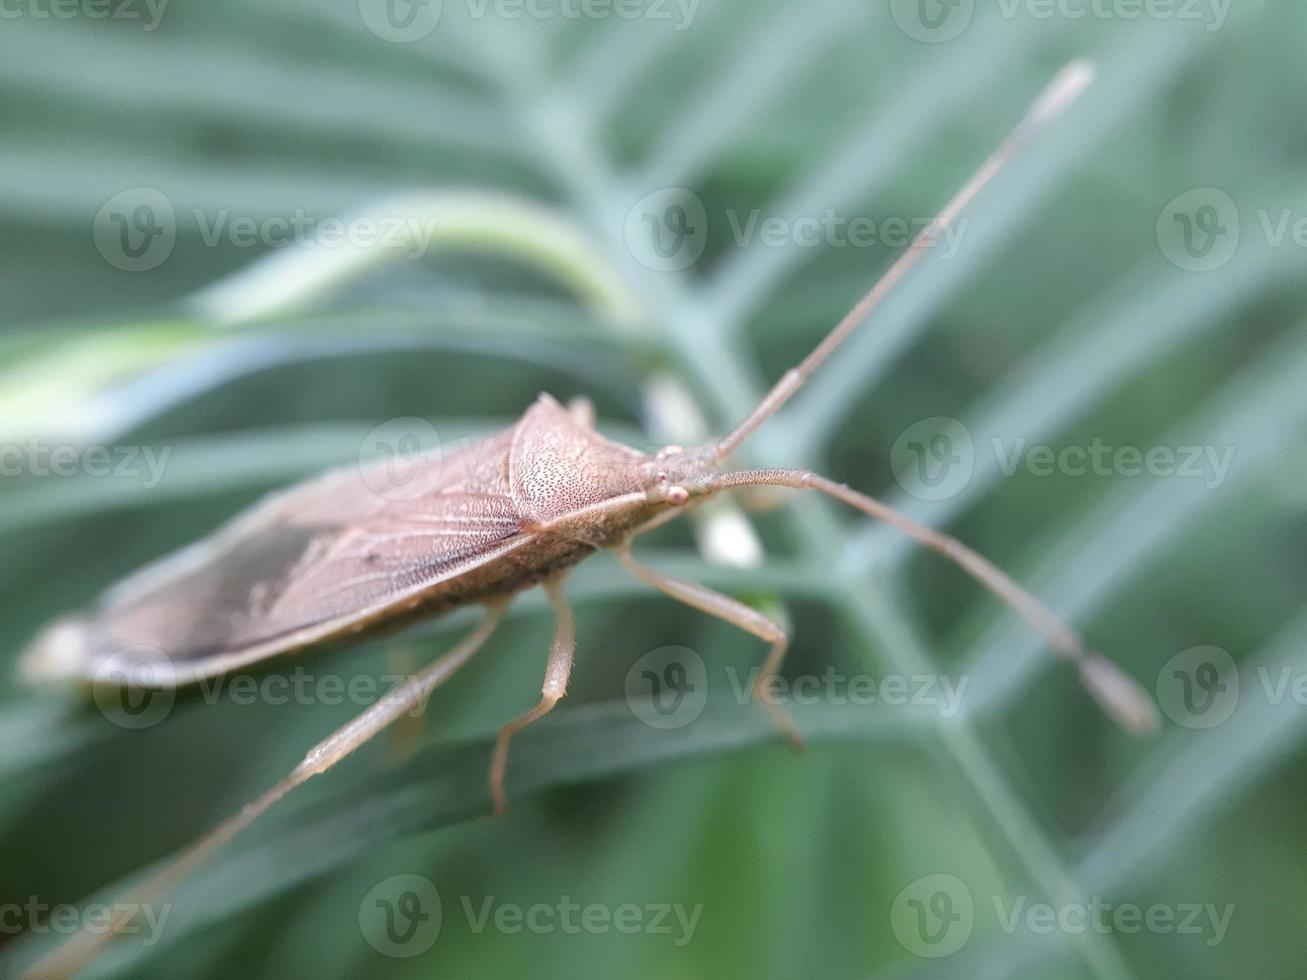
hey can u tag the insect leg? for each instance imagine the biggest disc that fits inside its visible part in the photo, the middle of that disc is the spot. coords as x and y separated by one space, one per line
84 947
407 731
737 614
557 672
582 409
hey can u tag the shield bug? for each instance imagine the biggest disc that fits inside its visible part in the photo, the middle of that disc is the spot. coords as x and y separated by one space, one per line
334 558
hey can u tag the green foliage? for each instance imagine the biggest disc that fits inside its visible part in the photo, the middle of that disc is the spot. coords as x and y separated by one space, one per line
1059 321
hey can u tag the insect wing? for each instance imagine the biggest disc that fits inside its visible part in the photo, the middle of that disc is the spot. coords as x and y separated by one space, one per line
300 566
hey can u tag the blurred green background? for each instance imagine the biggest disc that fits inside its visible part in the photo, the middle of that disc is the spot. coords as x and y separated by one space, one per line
1133 280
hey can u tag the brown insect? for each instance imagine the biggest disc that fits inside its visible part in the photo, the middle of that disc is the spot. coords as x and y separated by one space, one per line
332 559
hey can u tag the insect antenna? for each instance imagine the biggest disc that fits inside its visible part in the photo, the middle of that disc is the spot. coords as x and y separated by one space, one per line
1118 694
1060 93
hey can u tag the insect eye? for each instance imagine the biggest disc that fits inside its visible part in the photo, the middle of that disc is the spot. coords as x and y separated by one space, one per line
678 496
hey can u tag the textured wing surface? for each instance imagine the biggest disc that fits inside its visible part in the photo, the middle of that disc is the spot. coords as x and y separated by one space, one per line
302 564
